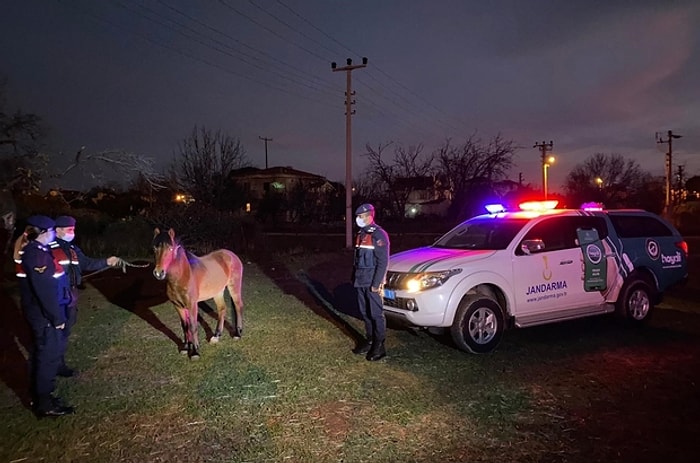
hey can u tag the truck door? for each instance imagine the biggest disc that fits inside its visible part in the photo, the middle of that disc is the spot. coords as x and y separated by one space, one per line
552 279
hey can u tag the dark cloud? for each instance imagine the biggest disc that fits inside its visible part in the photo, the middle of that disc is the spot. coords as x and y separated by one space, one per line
594 76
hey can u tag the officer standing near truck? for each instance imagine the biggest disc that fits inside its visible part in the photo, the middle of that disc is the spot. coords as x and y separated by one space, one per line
369 273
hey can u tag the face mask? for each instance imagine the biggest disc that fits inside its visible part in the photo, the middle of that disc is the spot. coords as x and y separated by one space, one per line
360 223
68 237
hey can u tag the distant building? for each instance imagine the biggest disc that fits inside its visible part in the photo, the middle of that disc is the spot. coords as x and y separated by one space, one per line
284 192
425 196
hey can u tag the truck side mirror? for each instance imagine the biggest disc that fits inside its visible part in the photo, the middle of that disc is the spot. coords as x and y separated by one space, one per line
532 246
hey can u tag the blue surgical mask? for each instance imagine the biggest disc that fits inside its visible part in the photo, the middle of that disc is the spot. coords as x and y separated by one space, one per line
360 223
68 237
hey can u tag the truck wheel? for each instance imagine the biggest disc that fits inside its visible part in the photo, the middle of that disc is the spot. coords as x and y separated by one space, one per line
478 325
635 302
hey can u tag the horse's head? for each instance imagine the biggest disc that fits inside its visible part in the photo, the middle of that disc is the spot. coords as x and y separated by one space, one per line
164 248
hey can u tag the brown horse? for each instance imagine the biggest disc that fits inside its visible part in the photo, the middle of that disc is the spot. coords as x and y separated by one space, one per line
191 279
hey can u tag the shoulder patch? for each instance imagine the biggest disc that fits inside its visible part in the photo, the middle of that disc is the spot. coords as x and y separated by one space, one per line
381 242
40 269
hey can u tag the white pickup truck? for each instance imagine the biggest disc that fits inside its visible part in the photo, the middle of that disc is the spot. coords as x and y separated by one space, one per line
535 266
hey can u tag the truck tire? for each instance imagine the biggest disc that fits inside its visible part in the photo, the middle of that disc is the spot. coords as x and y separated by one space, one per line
478 325
635 303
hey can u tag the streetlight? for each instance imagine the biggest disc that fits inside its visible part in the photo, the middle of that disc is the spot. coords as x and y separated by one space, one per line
546 162
544 147
599 182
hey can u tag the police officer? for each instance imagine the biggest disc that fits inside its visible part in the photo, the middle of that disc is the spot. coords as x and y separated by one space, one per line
74 262
369 272
42 289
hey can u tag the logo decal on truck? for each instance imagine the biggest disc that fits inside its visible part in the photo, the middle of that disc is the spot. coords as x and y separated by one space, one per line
653 249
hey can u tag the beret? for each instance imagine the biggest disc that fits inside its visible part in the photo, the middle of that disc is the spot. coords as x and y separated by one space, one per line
65 221
364 208
41 222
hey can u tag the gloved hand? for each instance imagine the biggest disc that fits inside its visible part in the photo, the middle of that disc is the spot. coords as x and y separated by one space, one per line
115 261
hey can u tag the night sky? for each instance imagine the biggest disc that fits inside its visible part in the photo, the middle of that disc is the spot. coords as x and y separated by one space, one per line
593 76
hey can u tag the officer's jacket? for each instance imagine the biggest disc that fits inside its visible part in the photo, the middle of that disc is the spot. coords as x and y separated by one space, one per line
40 287
74 261
371 257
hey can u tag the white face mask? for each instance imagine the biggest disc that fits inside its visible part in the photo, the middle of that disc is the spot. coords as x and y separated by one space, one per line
360 223
68 237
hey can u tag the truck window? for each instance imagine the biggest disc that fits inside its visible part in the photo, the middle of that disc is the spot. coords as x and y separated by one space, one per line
639 226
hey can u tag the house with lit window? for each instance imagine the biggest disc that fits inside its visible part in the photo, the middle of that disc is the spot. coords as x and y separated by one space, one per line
425 196
287 193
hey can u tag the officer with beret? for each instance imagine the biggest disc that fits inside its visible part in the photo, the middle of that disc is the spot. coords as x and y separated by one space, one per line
75 263
43 290
369 273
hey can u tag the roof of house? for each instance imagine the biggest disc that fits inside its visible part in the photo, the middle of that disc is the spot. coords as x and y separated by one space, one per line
254 172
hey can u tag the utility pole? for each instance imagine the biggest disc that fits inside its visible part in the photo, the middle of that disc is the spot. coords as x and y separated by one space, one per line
266 140
544 148
348 143
669 161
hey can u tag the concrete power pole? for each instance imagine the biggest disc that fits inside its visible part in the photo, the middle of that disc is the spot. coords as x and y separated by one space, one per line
265 140
669 168
348 144
544 148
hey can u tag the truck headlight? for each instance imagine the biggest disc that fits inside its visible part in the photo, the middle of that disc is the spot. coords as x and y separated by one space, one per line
429 280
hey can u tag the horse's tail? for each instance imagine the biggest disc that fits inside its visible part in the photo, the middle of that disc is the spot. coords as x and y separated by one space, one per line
235 282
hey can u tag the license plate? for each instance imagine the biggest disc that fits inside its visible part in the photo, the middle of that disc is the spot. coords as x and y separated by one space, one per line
389 294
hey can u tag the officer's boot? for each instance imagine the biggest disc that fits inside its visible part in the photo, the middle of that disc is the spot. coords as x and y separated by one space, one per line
362 347
377 352
49 406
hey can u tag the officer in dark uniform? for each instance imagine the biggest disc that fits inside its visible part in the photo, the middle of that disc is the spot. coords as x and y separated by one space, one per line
43 291
74 262
369 273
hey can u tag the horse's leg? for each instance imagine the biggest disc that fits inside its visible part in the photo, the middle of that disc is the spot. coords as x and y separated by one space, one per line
184 323
221 310
234 289
194 338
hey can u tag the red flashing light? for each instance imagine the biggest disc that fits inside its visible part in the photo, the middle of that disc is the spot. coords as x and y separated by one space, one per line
539 206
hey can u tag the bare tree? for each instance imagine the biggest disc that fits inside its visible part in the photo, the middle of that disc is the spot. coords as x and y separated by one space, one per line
471 168
614 181
102 165
22 162
406 163
205 164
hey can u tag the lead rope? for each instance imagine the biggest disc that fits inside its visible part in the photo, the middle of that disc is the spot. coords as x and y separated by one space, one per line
122 264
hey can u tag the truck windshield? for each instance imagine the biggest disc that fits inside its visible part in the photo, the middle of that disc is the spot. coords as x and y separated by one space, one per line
485 233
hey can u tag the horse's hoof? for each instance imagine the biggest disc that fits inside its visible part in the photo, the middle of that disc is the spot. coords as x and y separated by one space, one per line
184 351
194 357
214 340
236 338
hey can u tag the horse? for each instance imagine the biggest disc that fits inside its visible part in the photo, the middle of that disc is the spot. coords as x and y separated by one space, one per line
191 279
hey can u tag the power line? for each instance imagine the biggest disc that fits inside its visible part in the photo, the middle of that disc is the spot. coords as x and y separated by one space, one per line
283 76
197 58
419 110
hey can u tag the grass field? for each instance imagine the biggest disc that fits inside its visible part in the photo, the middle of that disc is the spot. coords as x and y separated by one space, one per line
291 391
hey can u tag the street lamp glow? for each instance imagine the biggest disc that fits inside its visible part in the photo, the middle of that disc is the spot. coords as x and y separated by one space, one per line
599 182
545 166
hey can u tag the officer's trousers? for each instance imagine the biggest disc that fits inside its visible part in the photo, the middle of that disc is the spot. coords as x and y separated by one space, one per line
71 312
49 345
370 305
